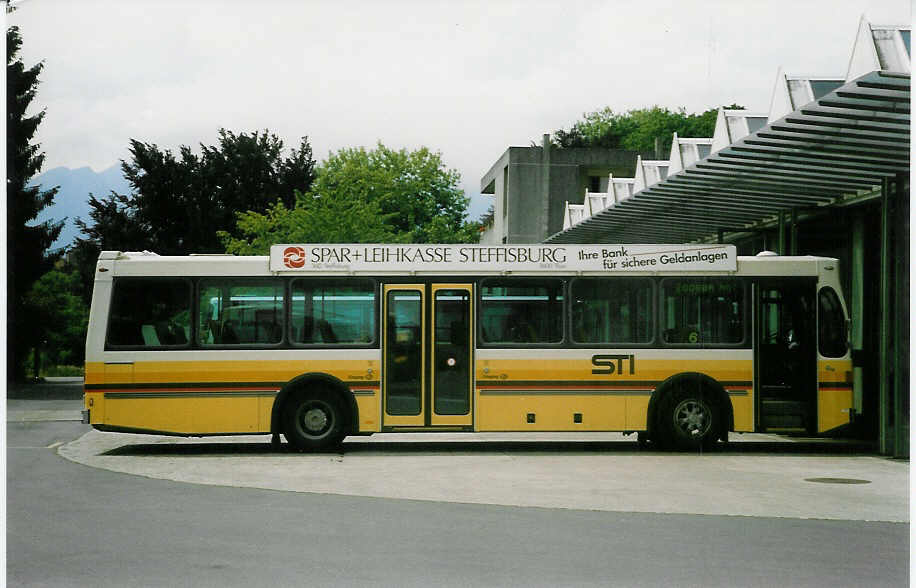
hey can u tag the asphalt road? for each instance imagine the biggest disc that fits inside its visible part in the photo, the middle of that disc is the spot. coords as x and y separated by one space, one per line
73 525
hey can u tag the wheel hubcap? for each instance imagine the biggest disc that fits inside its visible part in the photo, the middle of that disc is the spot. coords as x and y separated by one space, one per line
314 420
692 418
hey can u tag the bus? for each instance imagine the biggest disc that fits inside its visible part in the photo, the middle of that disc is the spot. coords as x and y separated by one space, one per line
682 344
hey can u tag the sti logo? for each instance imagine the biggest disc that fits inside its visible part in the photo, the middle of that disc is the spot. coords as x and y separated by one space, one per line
611 364
294 257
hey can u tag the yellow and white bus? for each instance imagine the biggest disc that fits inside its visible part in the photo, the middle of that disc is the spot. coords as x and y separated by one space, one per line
680 343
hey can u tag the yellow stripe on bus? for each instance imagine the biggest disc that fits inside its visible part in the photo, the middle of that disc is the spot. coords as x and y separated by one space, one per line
248 412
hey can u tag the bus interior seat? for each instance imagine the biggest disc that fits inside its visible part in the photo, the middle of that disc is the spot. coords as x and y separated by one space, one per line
308 327
213 325
125 332
150 338
327 333
164 333
228 335
679 335
266 328
269 332
520 331
178 334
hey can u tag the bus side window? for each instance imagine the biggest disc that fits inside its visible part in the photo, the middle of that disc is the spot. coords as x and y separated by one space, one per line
612 310
332 311
831 324
522 310
241 312
149 312
702 311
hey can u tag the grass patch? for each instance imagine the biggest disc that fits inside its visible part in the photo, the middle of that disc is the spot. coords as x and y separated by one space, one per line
58 371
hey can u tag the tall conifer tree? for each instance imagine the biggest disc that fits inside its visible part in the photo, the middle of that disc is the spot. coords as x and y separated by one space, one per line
27 242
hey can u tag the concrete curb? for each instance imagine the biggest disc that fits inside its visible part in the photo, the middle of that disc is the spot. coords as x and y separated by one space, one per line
34 416
567 475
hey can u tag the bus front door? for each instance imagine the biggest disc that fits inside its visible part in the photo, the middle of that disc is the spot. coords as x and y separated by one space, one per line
427 346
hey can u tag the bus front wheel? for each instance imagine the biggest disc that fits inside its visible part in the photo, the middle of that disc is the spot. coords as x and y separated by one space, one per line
690 420
313 420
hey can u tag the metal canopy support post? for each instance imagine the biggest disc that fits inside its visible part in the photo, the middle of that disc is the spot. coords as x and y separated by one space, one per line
782 233
901 318
857 308
793 235
885 363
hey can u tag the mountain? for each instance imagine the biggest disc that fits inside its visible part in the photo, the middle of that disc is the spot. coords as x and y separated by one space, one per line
72 199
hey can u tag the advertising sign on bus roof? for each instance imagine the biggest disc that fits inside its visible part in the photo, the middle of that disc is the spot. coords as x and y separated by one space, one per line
605 258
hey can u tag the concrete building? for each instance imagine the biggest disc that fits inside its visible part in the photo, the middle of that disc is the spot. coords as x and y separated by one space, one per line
533 185
825 172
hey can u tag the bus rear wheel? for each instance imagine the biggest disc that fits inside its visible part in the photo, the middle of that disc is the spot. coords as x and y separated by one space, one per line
690 420
313 420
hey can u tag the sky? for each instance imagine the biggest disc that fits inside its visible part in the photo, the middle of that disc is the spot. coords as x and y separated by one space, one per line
465 78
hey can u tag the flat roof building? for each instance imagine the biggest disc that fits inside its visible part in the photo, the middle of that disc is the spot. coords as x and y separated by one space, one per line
532 186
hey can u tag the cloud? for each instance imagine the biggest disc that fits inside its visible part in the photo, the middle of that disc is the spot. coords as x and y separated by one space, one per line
466 78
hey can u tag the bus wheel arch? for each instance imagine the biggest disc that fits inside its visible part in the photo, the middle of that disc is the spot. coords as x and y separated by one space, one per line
327 394
688 393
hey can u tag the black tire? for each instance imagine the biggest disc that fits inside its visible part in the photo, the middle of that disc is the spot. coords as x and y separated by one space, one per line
313 420
689 419
642 439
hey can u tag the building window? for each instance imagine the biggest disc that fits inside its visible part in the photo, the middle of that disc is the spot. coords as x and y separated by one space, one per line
505 192
594 183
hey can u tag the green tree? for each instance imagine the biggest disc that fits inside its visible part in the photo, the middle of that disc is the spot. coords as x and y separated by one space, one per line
379 195
27 244
59 318
410 187
179 202
637 129
487 218
84 254
311 220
